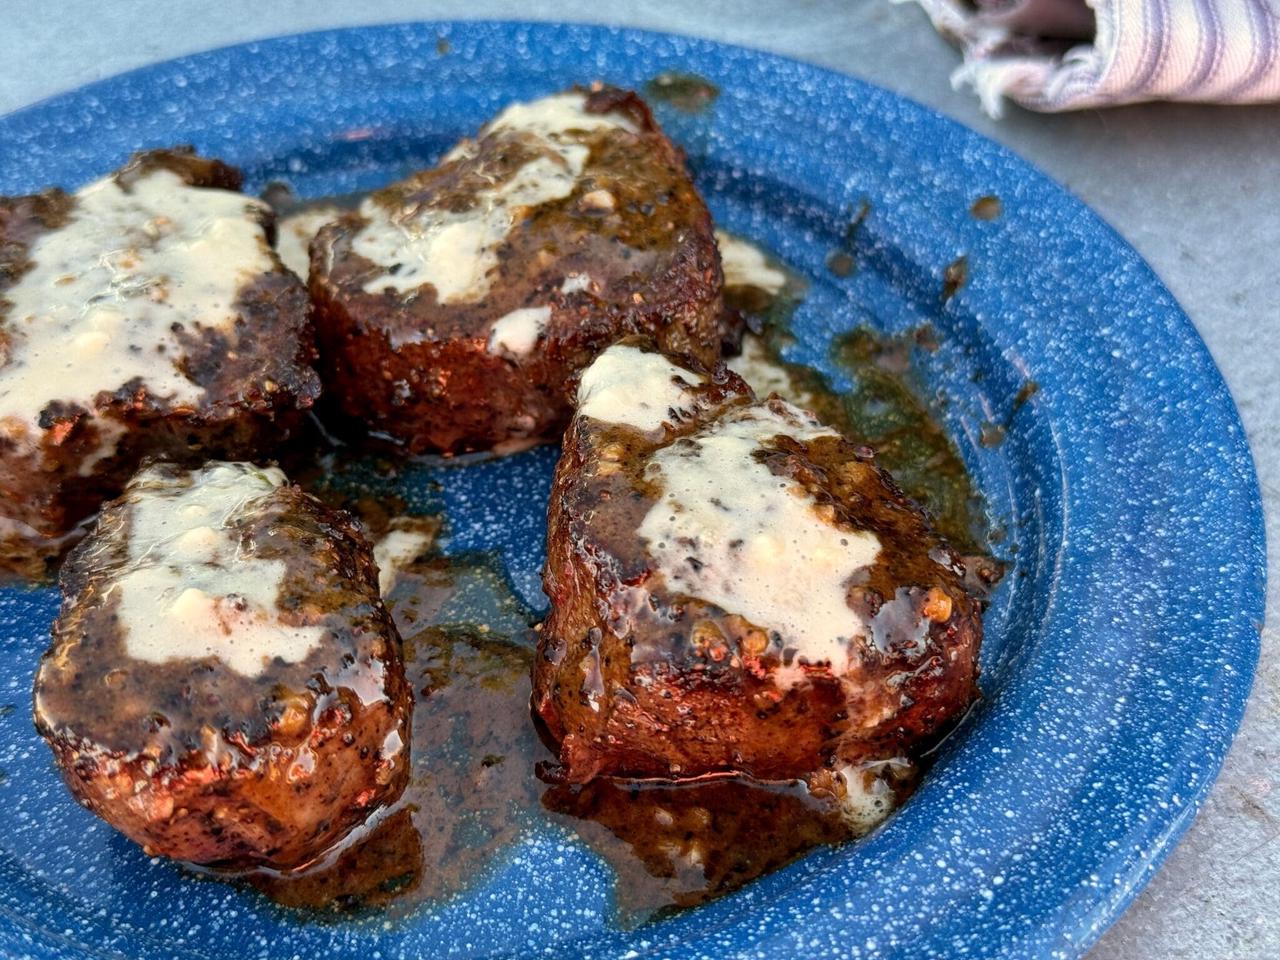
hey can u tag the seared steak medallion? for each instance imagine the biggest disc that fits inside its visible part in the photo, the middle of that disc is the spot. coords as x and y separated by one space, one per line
144 315
456 308
225 685
736 588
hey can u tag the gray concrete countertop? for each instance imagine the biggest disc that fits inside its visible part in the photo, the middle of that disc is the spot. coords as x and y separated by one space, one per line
1195 189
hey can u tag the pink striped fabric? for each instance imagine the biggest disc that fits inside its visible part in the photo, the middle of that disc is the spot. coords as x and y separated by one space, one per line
1066 54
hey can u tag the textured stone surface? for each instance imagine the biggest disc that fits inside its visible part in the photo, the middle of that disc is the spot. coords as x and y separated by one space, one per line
1195 189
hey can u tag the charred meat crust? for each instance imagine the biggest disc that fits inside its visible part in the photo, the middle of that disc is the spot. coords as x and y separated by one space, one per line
195 761
420 371
182 160
254 388
634 681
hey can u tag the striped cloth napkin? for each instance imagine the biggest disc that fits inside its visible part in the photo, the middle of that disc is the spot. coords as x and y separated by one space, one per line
1066 54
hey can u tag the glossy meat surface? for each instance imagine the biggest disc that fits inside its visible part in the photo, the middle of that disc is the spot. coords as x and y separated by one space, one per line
638 675
272 747
456 307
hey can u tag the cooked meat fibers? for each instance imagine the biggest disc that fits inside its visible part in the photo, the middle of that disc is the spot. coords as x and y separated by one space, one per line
736 588
224 684
456 308
144 315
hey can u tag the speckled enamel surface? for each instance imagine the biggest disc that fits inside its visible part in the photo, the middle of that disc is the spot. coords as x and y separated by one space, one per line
1120 648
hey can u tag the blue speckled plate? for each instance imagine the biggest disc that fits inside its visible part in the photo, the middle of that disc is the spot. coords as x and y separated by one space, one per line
1119 650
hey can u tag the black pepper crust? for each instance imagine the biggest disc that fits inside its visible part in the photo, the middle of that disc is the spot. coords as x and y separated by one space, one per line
198 762
255 388
633 680
420 372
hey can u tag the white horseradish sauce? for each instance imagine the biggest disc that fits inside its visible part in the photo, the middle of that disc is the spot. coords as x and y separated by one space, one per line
99 306
730 532
455 251
627 385
191 589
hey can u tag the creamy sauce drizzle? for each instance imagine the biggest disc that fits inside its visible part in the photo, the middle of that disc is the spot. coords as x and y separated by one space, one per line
576 283
517 332
455 251
763 375
191 589
729 531
98 307
629 386
553 118
399 547
870 794
745 265
295 232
